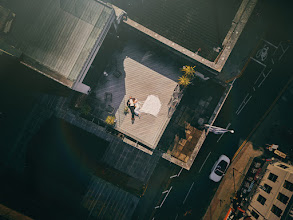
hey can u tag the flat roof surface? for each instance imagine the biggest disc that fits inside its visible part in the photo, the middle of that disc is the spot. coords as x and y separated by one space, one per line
105 201
196 107
58 34
192 24
73 155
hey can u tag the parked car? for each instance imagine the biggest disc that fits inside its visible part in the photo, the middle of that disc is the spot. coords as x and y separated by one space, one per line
219 168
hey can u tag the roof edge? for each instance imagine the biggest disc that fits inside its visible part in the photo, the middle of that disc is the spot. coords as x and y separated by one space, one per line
33 64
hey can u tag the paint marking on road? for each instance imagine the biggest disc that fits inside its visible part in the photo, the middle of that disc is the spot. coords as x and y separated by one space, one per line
258 61
273 61
176 216
176 175
220 107
166 196
261 82
283 52
262 118
261 73
265 76
270 43
283 47
244 105
247 62
269 72
204 162
246 97
253 88
188 192
165 191
223 133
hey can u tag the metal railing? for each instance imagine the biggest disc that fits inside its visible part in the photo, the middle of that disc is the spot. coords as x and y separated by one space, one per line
120 114
175 100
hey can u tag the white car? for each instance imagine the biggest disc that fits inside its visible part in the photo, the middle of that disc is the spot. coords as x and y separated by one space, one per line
219 169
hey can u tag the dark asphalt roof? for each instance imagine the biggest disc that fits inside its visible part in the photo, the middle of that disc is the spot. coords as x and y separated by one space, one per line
192 24
105 201
130 160
118 155
196 107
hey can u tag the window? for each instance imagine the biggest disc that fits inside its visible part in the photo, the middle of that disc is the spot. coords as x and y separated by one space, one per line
284 199
288 185
267 188
221 168
254 214
276 211
273 177
283 166
261 199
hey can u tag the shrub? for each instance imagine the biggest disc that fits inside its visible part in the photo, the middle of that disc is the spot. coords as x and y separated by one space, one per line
110 120
184 81
188 71
85 109
126 110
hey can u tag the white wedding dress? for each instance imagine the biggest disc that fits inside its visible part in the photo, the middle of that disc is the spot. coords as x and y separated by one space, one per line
152 105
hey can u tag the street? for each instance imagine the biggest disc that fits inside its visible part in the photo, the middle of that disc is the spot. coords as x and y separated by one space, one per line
192 190
255 92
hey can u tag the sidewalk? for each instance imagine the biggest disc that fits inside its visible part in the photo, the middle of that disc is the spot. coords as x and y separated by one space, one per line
220 204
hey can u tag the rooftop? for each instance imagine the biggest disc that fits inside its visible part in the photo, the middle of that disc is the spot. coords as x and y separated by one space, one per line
137 71
92 169
195 24
185 132
105 201
57 38
273 176
139 68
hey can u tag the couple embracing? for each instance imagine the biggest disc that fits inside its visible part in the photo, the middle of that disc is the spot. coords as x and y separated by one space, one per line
132 104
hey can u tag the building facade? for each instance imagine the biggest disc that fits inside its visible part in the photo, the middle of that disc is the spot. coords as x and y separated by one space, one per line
274 192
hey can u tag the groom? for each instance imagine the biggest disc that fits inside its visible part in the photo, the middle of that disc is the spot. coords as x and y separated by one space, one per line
131 105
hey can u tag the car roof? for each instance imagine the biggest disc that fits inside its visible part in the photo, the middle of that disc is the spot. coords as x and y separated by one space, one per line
225 158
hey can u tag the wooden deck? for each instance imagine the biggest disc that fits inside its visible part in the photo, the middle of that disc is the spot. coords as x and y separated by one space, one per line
141 81
143 73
